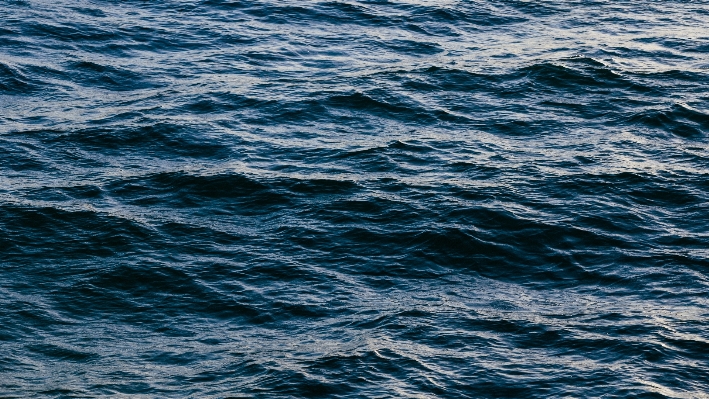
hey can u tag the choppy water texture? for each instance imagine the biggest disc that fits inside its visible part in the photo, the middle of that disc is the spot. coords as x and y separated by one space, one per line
373 199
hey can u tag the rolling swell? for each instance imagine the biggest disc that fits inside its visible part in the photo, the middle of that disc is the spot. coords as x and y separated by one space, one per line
353 199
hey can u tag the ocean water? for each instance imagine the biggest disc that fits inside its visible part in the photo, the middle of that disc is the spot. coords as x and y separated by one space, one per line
354 199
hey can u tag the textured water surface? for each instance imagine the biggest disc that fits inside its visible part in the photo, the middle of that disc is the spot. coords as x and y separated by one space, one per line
354 199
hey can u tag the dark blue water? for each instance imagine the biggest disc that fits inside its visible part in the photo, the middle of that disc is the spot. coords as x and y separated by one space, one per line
354 199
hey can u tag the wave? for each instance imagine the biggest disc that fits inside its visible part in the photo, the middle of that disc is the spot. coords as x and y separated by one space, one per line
155 138
14 81
74 233
679 119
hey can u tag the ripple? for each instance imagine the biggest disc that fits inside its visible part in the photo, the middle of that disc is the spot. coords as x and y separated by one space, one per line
353 199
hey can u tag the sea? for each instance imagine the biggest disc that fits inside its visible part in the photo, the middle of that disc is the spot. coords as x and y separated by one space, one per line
354 199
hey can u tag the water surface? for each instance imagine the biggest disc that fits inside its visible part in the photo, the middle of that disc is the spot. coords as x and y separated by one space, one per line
354 199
